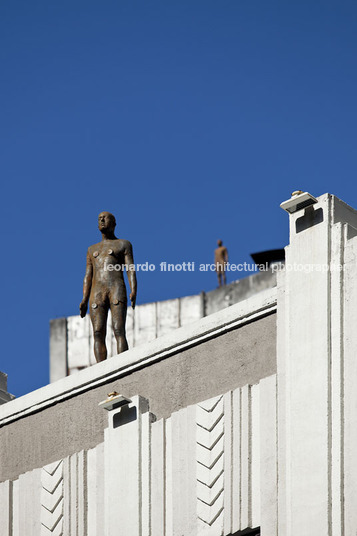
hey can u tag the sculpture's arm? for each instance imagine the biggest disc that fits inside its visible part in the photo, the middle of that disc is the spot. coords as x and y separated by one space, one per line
87 285
129 262
226 255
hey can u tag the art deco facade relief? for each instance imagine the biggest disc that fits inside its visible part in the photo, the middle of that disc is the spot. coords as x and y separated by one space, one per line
197 472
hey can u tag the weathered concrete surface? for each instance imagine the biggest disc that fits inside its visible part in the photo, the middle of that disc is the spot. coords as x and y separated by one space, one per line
58 348
222 297
3 381
242 356
71 344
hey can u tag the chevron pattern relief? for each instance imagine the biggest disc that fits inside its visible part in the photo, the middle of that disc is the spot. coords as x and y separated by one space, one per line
210 465
52 499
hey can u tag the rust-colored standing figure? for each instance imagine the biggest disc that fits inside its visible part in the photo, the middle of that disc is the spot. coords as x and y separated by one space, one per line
220 260
104 285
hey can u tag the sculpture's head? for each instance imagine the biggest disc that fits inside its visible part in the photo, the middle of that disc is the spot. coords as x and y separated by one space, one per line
219 243
106 221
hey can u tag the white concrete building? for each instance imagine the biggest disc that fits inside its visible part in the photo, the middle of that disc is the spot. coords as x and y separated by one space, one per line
242 422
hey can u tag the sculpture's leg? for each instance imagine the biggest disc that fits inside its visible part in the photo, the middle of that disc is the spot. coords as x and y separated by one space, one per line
118 318
98 317
224 278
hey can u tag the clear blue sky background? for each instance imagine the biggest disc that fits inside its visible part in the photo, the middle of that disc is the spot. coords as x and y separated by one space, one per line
190 120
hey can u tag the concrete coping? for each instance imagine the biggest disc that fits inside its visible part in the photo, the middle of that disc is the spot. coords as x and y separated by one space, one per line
206 328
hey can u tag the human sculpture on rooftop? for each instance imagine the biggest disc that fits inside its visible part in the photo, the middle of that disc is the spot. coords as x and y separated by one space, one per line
104 286
220 260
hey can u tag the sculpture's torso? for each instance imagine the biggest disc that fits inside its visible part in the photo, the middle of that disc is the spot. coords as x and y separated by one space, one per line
220 258
108 280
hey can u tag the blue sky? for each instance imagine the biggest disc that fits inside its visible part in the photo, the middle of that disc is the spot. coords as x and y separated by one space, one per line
189 120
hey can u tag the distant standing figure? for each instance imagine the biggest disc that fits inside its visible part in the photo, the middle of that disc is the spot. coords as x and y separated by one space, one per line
220 260
104 286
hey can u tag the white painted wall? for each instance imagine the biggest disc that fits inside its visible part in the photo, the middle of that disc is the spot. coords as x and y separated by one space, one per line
171 477
317 348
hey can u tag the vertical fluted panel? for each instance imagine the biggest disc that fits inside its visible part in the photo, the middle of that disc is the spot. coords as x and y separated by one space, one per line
210 465
52 499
